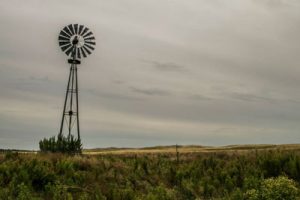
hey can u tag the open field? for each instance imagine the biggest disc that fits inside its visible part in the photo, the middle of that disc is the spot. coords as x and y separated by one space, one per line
182 149
236 172
192 149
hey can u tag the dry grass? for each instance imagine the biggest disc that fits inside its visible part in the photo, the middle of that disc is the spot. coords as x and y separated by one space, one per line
186 149
191 149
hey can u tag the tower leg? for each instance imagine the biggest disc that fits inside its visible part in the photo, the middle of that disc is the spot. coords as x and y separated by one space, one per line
70 114
65 104
77 107
71 92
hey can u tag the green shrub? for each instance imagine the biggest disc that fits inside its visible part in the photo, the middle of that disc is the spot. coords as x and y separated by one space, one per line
61 144
23 192
58 191
159 193
5 194
280 188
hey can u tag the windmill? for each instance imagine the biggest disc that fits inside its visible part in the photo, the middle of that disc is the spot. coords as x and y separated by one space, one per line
77 41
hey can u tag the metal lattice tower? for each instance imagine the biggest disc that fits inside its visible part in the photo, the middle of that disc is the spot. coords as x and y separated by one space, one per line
76 41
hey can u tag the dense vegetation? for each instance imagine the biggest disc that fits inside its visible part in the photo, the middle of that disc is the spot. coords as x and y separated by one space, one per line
257 175
61 144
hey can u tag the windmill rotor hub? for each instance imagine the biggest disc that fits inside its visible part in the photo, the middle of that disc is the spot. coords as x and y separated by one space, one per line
77 40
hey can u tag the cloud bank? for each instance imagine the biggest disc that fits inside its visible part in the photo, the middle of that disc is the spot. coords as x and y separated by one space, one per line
207 72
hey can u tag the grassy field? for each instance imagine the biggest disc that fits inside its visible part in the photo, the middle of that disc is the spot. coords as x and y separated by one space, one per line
192 149
250 172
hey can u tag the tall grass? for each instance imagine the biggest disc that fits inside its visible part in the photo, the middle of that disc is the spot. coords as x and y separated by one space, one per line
156 176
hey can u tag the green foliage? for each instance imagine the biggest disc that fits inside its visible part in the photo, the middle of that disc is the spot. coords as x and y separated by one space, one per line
11 155
160 193
150 177
23 192
61 144
58 192
279 188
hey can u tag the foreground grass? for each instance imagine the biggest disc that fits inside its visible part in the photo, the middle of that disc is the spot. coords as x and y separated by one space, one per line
234 174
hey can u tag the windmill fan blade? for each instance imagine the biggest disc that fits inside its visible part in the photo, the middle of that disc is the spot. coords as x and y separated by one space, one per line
88 34
90 38
89 42
62 43
63 38
67 31
69 50
80 29
83 53
76 28
63 48
88 51
71 29
84 31
62 33
78 53
89 46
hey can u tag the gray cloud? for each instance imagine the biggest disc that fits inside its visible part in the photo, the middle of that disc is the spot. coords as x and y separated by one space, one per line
251 97
281 4
113 96
201 97
119 82
166 66
151 91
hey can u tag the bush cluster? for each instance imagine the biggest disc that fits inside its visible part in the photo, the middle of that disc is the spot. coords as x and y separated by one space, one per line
61 144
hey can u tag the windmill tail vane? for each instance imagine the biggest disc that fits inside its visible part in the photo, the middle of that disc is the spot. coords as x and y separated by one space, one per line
77 42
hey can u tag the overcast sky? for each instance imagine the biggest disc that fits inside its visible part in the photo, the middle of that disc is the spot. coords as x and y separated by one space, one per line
207 72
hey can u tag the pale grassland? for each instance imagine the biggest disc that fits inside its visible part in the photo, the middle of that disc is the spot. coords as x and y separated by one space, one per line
191 149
